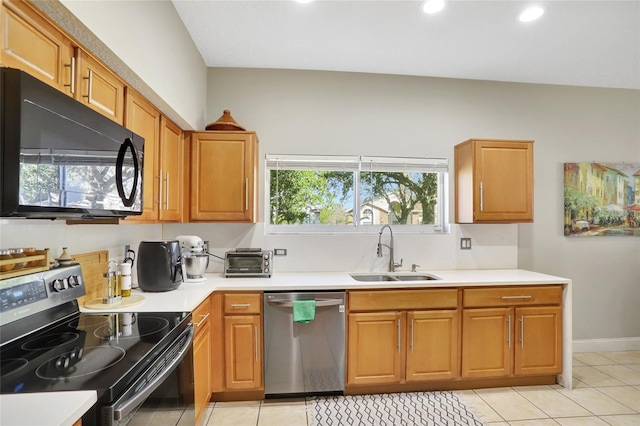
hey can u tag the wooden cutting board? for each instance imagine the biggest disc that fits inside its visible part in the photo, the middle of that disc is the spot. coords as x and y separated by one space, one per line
94 265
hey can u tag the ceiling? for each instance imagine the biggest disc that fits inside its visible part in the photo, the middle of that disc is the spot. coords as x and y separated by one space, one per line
580 43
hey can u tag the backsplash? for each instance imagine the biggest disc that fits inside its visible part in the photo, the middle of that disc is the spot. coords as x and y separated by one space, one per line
493 246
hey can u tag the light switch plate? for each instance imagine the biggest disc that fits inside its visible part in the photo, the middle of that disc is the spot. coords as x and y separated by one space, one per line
465 243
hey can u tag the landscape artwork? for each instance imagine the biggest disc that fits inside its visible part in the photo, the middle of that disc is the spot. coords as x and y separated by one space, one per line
602 199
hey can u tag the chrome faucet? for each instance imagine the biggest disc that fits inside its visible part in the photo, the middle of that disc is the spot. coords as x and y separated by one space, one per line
392 264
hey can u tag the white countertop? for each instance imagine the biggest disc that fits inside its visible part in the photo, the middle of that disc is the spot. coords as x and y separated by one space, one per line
63 408
47 408
189 295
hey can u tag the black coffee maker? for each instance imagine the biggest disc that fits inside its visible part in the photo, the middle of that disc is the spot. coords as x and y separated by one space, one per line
159 266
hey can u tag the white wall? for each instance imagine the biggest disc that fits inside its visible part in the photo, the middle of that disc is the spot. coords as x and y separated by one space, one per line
151 39
324 112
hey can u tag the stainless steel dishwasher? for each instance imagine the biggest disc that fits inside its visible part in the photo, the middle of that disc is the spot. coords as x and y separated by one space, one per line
304 359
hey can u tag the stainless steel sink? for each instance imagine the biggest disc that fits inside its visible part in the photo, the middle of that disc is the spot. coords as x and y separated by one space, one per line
421 277
372 277
393 277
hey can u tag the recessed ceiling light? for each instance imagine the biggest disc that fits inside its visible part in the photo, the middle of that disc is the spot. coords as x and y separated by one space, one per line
531 14
304 1
432 6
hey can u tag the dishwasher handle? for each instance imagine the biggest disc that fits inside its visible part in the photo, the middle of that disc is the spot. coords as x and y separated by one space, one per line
320 303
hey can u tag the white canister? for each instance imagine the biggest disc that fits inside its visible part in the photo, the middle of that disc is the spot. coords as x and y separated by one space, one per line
125 279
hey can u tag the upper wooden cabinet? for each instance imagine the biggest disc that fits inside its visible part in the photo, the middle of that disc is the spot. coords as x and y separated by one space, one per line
32 44
493 181
163 160
224 176
99 88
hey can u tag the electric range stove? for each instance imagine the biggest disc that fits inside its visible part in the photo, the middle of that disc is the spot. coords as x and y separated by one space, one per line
48 345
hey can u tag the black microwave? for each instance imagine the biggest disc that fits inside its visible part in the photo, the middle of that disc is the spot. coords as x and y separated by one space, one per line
60 158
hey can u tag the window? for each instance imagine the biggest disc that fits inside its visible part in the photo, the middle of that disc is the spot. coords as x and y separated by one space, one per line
344 194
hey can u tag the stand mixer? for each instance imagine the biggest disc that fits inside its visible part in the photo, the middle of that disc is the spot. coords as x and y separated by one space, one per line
195 259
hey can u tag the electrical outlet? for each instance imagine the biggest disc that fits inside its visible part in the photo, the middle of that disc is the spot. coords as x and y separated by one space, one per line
279 252
465 243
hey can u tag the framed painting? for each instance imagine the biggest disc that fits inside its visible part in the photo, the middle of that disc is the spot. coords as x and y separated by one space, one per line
601 199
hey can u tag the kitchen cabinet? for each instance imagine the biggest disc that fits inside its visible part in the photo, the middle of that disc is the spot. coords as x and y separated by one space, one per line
31 43
512 331
223 176
99 88
243 341
163 160
402 336
202 357
493 181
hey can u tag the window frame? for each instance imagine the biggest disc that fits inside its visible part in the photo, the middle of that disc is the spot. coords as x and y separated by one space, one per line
359 164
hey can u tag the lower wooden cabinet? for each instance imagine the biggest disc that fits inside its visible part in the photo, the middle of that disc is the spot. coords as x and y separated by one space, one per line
243 354
202 357
512 340
399 346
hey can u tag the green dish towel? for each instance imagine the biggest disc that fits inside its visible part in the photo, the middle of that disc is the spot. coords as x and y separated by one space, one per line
304 311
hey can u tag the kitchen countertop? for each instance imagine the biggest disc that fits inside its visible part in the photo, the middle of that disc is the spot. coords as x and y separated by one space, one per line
190 294
70 406
47 408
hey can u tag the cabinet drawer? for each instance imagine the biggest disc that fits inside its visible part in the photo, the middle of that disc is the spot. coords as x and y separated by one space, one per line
200 315
512 296
242 303
402 299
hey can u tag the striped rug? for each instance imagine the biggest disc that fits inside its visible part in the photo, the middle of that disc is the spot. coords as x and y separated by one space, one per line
415 408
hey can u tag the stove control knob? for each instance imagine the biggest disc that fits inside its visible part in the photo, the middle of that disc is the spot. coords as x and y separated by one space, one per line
74 281
59 285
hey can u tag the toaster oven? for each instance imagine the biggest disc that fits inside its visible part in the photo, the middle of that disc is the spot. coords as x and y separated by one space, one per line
248 262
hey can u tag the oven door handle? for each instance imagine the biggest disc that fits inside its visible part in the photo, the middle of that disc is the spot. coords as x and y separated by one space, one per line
286 303
123 410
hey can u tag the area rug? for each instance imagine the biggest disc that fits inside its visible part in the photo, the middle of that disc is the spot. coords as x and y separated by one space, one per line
415 408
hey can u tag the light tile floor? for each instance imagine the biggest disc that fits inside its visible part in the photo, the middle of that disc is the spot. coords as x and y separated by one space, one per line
606 392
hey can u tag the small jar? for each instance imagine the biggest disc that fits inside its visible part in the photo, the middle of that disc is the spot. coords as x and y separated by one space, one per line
16 254
6 255
125 279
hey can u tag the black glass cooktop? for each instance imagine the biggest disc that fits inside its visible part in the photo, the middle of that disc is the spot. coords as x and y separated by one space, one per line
102 352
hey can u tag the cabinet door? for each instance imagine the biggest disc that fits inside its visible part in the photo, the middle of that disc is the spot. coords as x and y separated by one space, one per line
503 181
223 173
171 171
432 345
202 368
374 352
202 356
32 44
538 343
486 342
100 89
144 119
243 354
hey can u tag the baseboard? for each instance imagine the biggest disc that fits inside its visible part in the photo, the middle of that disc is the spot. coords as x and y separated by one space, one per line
607 345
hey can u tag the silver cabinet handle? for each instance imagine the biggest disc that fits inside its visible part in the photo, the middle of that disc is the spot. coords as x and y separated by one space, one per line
255 340
284 303
240 305
90 86
515 297
509 330
398 336
412 336
522 331
166 191
481 197
246 194
159 177
204 318
72 72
